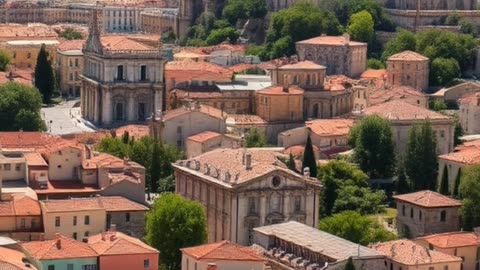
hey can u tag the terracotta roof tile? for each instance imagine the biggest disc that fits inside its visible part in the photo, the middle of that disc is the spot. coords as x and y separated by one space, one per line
247 119
224 250
65 187
408 253
21 31
380 95
136 131
302 65
204 109
6 209
452 239
69 45
330 127
331 41
101 160
407 56
135 42
401 110
468 153
120 204
26 206
117 243
23 139
60 248
67 205
374 74
279 90
186 70
204 136
298 150
34 159
428 199
11 259
470 98
242 67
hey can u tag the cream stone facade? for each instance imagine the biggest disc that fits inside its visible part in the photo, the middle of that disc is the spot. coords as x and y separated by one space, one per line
426 212
280 104
454 93
431 5
123 77
469 115
65 164
69 67
243 189
408 69
403 116
207 141
339 54
175 126
25 52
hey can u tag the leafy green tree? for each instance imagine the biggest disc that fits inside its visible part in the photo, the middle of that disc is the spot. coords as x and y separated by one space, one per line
373 63
374 148
469 191
234 11
174 223
218 36
125 137
309 159
438 105
467 27
360 27
44 76
360 199
256 8
5 60
166 184
444 183
453 19
70 34
349 265
20 108
458 132
402 185
354 227
155 170
444 71
421 157
456 186
255 138
403 41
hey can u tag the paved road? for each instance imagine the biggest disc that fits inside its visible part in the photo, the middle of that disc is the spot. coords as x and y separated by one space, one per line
65 119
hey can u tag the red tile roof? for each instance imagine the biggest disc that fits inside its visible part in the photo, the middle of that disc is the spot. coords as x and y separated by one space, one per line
69 45
302 65
21 139
380 95
331 41
74 204
374 74
65 187
204 109
225 251
279 90
401 110
330 127
60 248
470 98
428 199
34 159
13 260
135 42
98 160
29 31
242 67
136 131
120 204
187 70
452 239
204 136
468 153
407 56
298 150
117 243
20 205
408 253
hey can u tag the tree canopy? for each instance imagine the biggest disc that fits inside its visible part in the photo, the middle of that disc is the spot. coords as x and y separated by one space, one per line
5 60
360 27
403 41
359 229
421 157
255 138
444 71
174 223
309 159
373 146
70 34
44 76
469 191
20 108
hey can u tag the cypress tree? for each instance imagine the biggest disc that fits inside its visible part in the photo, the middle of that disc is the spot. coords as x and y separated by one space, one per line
44 76
457 184
309 158
291 163
444 183
155 170
349 265
125 137
402 185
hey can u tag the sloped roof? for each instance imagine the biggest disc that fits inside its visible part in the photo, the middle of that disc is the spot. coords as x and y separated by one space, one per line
279 90
117 243
60 248
407 56
188 70
452 239
204 109
13 260
379 95
302 65
332 41
330 127
401 110
204 136
223 250
428 199
467 153
20 205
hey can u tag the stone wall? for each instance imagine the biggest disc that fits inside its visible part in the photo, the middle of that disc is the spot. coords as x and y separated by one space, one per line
135 225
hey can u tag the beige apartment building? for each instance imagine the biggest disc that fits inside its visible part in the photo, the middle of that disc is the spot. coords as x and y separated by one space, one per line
408 69
465 245
25 52
426 212
20 214
242 189
407 255
280 104
69 66
338 54
207 141
469 115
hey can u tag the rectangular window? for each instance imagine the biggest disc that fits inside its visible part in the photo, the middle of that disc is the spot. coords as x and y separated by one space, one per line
51 267
22 223
74 220
146 263
76 62
143 72
87 220
251 205
298 203
89 267
70 266
74 236
127 217
57 221
120 73
17 167
6 167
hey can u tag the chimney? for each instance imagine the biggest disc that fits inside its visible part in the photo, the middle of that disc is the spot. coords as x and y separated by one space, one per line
248 161
286 82
346 37
212 266
306 171
126 161
58 241
41 237
113 228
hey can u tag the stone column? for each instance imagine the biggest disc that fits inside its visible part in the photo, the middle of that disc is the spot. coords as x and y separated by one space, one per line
286 205
157 100
82 100
107 108
263 207
130 110
97 106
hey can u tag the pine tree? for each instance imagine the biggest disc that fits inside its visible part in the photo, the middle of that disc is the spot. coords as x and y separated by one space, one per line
349 265
155 170
457 184
125 137
44 76
291 163
444 184
309 158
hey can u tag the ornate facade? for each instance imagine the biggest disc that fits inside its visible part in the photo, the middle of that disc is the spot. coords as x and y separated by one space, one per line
123 77
339 54
408 69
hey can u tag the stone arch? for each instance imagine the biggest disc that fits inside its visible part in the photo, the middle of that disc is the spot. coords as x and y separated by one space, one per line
119 108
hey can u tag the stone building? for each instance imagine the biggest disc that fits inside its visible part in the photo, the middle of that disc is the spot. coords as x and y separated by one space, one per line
403 116
207 141
338 54
121 19
69 67
280 104
469 113
406 254
242 189
431 5
123 76
453 94
292 245
426 212
24 52
408 69
465 245
20 214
